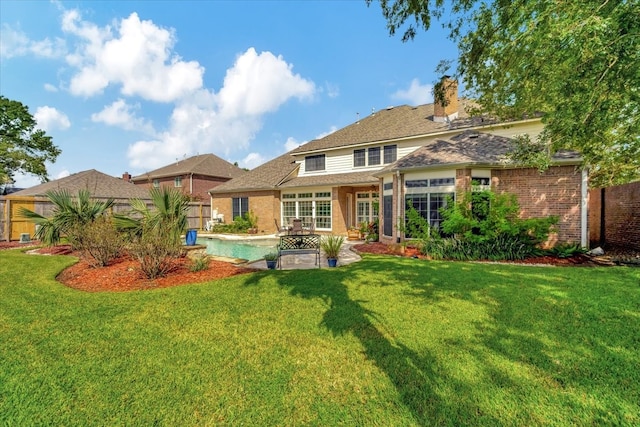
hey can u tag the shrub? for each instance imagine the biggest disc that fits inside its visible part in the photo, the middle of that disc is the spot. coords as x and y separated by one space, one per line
567 250
200 263
155 252
98 241
482 225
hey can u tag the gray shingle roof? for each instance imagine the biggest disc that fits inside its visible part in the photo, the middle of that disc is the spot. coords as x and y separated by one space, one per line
99 185
392 123
265 177
353 178
203 164
467 148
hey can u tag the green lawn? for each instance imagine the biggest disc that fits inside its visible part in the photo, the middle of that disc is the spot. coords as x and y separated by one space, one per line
386 341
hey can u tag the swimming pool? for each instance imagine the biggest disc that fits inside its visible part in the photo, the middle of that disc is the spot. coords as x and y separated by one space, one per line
249 249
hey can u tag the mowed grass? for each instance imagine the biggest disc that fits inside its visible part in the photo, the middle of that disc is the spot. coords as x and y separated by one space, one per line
386 341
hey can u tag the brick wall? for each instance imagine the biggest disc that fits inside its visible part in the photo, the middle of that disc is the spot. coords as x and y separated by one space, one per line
557 191
199 188
621 216
264 204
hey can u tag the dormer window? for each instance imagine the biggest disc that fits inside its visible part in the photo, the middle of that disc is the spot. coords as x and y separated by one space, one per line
314 163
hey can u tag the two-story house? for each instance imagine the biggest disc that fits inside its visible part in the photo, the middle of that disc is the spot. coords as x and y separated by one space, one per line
193 176
405 155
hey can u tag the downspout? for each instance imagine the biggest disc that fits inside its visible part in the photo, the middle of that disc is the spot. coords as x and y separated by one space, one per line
398 207
584 237
191 184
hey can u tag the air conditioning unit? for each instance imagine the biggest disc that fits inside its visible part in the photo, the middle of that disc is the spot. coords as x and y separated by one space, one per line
25 238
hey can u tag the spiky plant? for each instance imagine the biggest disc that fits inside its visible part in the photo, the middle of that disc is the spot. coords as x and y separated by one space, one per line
69 213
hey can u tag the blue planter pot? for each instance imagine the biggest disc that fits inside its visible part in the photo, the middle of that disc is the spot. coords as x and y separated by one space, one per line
332 262
191 237
271 265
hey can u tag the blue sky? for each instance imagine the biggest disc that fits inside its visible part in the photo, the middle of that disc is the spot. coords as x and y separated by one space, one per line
134 85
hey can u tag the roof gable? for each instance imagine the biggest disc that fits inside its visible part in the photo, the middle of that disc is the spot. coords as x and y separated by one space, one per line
203 164
100 185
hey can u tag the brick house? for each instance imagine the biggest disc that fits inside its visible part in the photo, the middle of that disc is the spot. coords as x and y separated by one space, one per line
194 175
376 166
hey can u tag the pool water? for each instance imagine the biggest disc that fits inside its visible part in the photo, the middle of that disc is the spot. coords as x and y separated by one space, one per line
250 250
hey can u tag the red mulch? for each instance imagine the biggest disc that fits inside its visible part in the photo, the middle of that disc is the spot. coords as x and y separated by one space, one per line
384 249
124 273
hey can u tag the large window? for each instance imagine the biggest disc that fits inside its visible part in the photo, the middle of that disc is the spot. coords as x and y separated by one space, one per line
428 196
240 206
311 207
314 163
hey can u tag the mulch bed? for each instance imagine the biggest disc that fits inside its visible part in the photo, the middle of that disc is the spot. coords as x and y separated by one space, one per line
124 273
577 260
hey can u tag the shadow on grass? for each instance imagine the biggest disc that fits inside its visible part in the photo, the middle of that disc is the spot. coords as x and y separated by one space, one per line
412 374
546 332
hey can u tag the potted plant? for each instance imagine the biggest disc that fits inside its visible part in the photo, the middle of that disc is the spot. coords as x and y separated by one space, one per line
331 245
272 260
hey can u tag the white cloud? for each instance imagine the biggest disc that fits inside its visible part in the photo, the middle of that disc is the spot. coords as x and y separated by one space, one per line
62 174
252 160
259 84
416 94
49 118
50 88
333 91
291 144
331 130
135 54
228 121
14 42
120 114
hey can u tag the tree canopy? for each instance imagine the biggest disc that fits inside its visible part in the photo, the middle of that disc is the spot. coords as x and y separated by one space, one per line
23 148
576 62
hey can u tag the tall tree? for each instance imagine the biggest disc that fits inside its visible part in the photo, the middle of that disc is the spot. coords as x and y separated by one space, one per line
574 61
23 148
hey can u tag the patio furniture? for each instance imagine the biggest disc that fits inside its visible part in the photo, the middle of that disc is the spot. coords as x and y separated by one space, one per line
283 229
299 244
296 226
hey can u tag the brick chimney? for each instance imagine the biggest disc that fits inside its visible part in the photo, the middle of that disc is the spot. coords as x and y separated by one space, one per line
447 110
126 177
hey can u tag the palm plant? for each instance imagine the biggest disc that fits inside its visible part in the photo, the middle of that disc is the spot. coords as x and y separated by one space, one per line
69 213
167 217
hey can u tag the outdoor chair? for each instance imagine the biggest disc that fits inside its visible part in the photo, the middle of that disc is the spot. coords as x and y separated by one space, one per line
283 229
296 226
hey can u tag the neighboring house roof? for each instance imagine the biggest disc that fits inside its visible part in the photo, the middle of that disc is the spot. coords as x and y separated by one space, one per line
99 185
390 124
265 177
203 164
467 148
